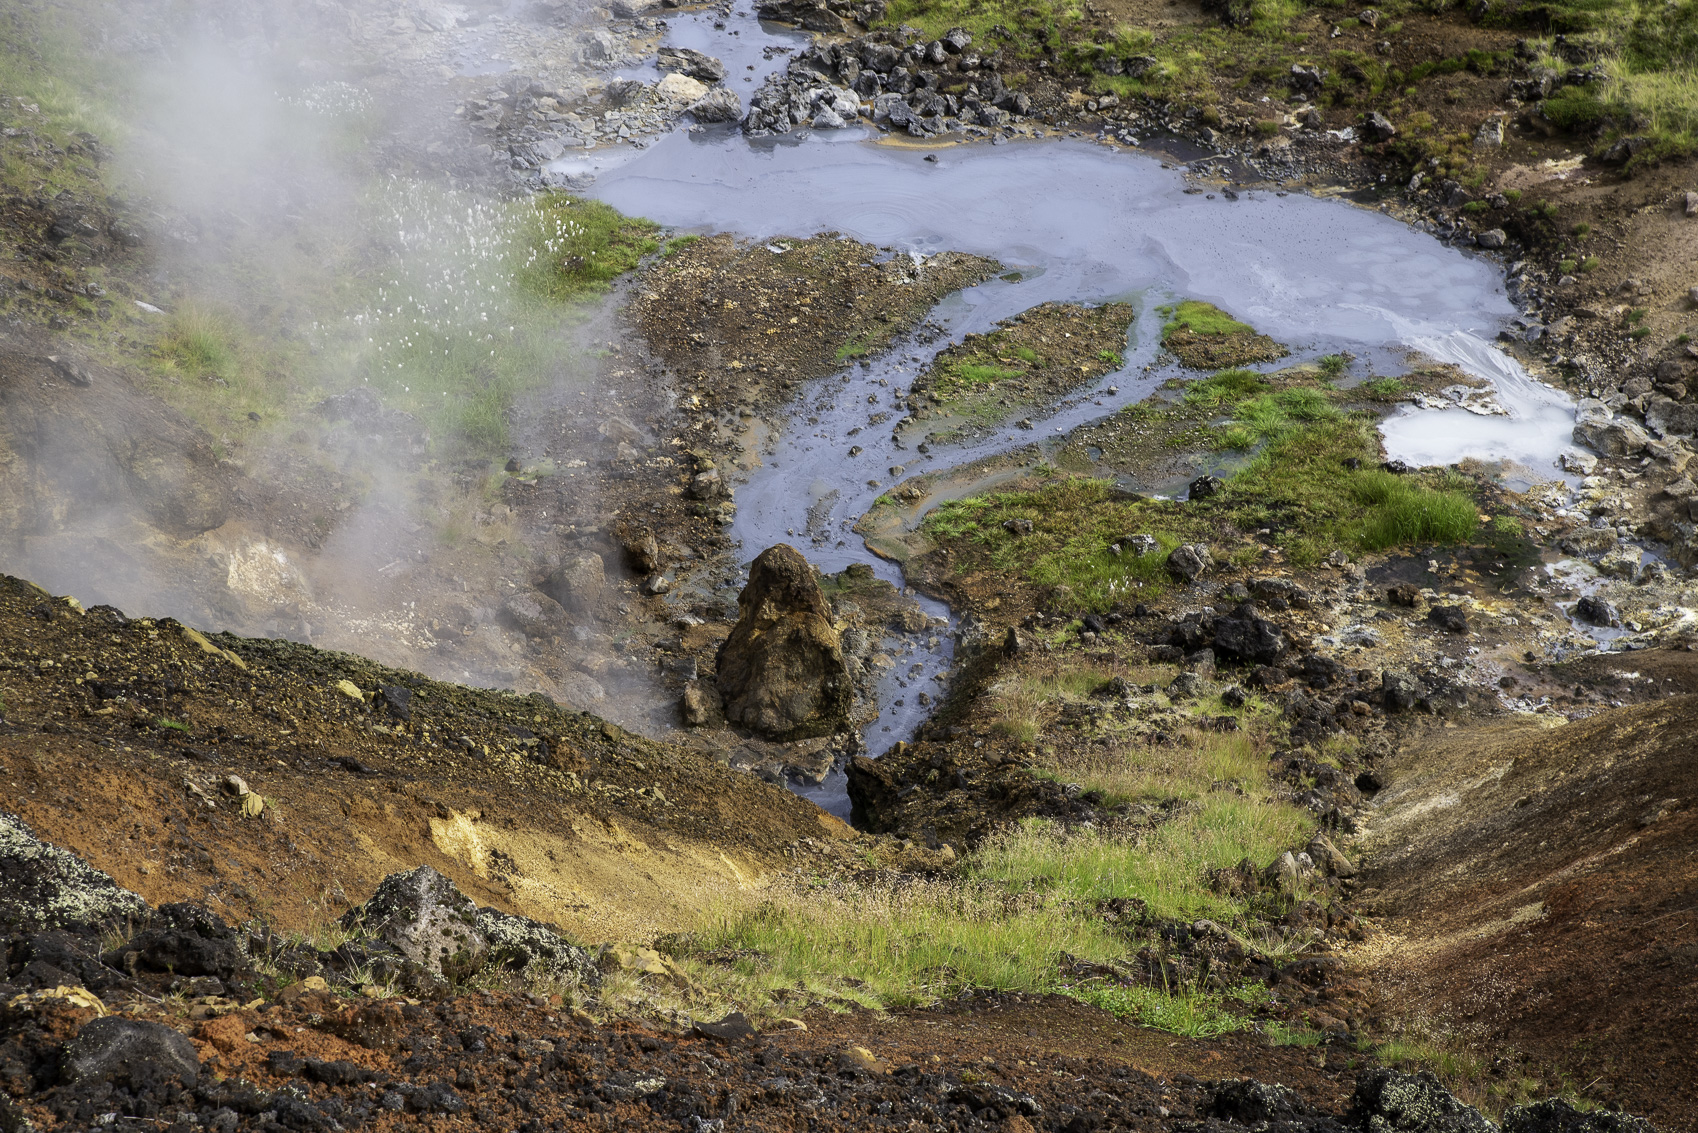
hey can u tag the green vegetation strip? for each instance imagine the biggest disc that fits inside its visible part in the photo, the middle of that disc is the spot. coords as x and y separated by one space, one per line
1312 480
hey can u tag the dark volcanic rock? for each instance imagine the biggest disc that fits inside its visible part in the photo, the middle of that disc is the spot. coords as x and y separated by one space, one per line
1386 1101
44 887
1597 611
781 672
1451 619
1249 637
424 917
1249 1102
186 940
129 1051
1556 1116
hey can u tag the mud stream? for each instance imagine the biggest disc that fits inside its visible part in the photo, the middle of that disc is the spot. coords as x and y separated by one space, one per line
1074 221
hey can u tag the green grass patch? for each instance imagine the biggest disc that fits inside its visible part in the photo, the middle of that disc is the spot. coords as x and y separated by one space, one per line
1385 389
1199 317
1399 511
1274 415
1225 388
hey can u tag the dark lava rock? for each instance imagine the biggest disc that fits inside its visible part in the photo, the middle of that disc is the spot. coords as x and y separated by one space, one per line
1188 560
1451 619
1248 636
1399 692
522 945
54 959
129 1051
398 700
43 887
185 940
1597 611
1249 1102
1387 1101
734 1026
1556 1116
781 671
424 917
1403 594
1205 486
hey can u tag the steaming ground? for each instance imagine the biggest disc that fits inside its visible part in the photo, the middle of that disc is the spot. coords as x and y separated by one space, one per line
314 265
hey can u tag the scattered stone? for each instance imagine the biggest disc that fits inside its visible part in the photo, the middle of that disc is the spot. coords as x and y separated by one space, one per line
1451 619
1249 1103
718 105
1690 201
1139 545
691 63
1492 238
1403 594
1490 133
350 690
1247 636
534 614
538 952
1578 462
729 1029
1622 562
1597 611
1329 859
1205 486
1399 691
71 370
1017 526
1387 1101
1189 560
578 584
1554 1115
699 706
1379 127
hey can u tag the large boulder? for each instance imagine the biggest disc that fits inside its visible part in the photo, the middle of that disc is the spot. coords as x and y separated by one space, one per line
1603 432
1668 417
425 918
130 1052
578 583
1189 560
43 888
781 672
186 940
718 105
1554 1115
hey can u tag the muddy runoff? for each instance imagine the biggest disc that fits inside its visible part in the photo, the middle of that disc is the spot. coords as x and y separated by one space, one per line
1071 223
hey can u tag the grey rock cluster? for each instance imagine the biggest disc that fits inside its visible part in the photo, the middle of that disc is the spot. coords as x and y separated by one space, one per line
892 78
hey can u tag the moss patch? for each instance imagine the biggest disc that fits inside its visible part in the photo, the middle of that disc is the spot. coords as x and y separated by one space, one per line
1031 359
1203 337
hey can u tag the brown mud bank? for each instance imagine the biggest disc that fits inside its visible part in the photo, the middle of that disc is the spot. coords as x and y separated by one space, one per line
124 740
1537 886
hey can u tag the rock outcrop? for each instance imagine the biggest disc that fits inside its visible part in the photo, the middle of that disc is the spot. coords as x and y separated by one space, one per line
782 672
44 888
421 915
